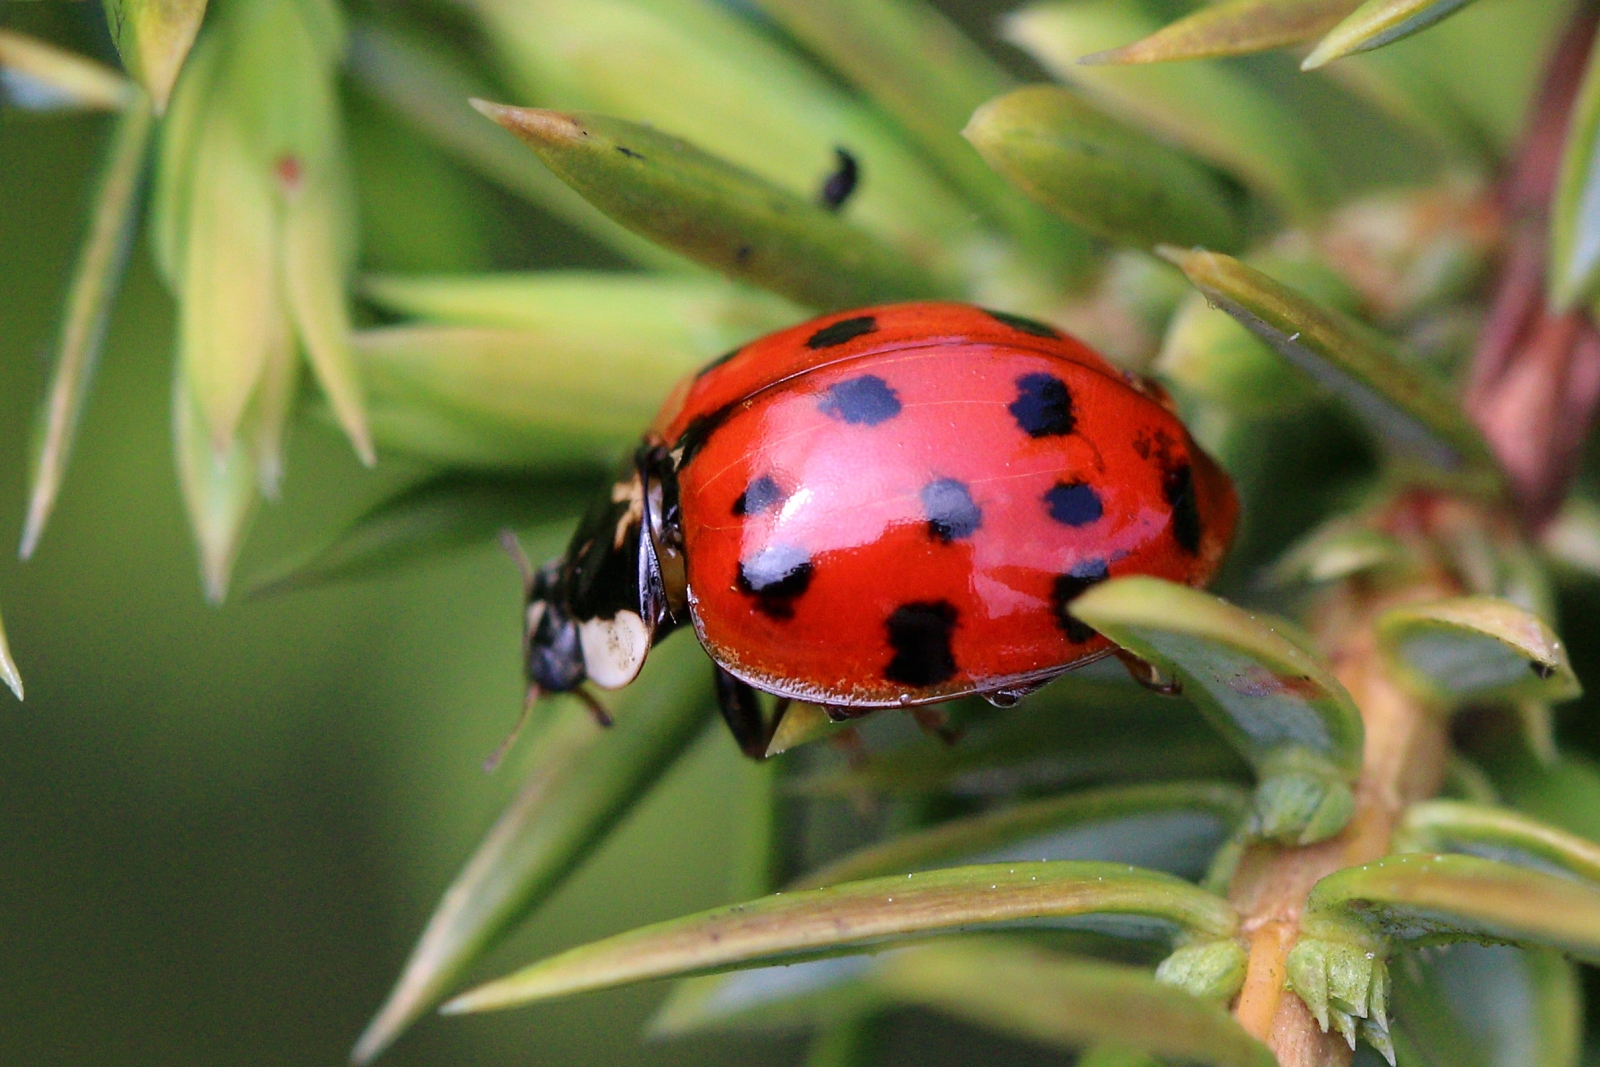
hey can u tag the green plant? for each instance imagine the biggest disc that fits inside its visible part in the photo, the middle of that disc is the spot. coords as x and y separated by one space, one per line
1370 295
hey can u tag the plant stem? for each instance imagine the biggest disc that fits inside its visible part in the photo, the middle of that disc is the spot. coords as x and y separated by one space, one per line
1406 751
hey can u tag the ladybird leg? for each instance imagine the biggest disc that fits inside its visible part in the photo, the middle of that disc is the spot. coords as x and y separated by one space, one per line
601 716
1146 675
936 721
492 761
741 710
513 548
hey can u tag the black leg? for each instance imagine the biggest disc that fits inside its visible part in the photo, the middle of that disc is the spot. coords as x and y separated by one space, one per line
741 710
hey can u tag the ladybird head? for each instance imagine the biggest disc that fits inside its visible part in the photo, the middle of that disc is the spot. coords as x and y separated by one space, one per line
554 653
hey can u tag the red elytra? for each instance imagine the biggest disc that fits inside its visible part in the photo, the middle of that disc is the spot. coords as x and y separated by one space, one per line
893 506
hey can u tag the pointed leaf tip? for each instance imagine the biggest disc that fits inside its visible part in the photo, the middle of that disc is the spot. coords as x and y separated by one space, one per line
1377 23
8 666
1232 28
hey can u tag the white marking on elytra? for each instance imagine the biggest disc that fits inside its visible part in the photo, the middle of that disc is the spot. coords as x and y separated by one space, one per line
614 649
535 615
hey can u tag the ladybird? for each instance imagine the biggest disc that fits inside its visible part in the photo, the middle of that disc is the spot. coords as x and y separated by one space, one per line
887 507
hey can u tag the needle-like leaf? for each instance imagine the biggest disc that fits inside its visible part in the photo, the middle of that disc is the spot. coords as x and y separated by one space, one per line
1213 111
716 213
446 512
1232 28
1058 1000
1377 23
1112 179
860 915
1475 648
154 37
583 779
95 282
1574 262
40 76
1282 709
1173 827
1403 408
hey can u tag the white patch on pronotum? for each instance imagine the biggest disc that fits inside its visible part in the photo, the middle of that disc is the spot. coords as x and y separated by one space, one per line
535 616
614 649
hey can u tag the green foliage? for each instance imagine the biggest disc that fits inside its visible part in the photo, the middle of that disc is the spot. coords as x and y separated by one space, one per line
1094 837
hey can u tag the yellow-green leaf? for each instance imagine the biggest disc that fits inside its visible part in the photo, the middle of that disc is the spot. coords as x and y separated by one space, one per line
1212 110
1232 28
1497 834
718 214
496 397
1173 827
95 281
1476 648
910 60
583 779
701 71
1273 700
8 666
428 90
851 917
318 245
699 317
1113 180
154 36
1574 262
1377 23
1411 414
220 490
1058 1000
39 76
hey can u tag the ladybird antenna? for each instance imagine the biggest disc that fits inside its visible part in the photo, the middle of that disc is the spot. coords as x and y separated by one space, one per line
592 702
492 762
513 548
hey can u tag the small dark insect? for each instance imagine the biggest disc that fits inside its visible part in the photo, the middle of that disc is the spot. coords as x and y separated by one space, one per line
841 183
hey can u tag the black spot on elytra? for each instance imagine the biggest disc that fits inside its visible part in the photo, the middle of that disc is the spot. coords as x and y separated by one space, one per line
1543 670
950 509
1073 503
865 401
719 361
758 496
1066 589
919 633
1026 325
741 255
776 577
1178 487
1043 407
839 332
697 433
630 153
841 183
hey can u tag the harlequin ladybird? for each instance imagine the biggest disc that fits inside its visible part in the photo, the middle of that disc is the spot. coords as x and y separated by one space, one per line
887 507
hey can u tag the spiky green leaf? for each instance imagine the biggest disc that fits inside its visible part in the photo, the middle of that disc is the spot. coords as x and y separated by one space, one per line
96 279
1403 408
1574 262
851 917
1058 1000
1377 23
1210 109
454 510
921 69
1101 174
583 779
39 76
1172 827
1232 28
716 213
1275 702
1497 834
1475 648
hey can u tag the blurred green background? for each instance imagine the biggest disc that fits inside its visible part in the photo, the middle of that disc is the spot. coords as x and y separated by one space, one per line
223 828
